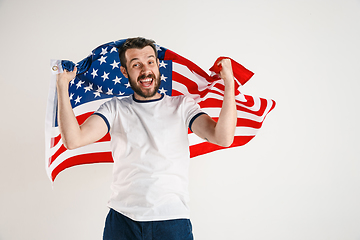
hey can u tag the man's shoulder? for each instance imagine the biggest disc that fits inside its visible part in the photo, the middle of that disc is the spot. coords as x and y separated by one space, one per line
117 101
121 98
178 98
181 100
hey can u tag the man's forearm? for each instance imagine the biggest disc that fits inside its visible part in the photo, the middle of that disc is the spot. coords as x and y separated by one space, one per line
226 124
68 125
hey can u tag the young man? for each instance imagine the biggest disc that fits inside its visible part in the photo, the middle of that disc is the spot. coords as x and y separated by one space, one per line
149 143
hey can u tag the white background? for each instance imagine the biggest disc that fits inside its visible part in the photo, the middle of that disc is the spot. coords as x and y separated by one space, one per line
298 179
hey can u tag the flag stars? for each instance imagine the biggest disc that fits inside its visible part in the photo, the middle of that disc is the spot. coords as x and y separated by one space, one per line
163 78
158 48
115 64
116 80
103 51
98 92
94 73
89 88
77 100
162 91
105 76
114 49
127 85
79 84
162 64
110 91
102 59
72 82
71 96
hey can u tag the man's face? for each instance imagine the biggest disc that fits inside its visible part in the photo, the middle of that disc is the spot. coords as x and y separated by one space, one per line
142 72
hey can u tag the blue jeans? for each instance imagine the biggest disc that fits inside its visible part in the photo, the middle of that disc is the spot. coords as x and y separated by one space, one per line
120 227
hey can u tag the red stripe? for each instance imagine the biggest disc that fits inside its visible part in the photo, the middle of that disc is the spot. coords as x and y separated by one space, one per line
55 141
89 158
243 122
81 118
57 153
176 93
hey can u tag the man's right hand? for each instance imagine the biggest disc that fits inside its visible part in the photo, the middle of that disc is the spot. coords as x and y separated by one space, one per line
66 76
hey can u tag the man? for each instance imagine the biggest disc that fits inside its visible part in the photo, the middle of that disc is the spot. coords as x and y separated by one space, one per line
149 145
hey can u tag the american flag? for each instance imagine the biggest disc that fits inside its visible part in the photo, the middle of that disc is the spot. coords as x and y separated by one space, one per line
99 78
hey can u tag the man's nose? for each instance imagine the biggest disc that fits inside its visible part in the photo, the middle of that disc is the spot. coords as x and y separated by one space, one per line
145 69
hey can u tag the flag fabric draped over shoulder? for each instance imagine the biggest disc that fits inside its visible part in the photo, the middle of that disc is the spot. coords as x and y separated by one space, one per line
99 79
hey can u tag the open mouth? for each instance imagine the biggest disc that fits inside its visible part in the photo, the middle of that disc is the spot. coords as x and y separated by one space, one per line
146 82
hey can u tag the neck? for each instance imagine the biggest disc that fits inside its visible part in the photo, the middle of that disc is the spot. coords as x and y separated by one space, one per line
140 98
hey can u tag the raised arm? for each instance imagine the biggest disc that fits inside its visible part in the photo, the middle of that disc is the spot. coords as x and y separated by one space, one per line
222 131
73 135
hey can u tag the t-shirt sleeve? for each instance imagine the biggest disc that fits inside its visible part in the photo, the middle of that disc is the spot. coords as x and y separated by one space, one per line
106 112
192 111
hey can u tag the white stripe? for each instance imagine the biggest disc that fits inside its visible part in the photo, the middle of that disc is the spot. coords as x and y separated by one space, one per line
91 148
53 150
245 131
256 107
186 72
238 82
240 97
89 106
184 90
53 132
194 139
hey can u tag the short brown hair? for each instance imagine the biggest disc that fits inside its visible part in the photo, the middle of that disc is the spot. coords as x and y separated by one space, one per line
139 43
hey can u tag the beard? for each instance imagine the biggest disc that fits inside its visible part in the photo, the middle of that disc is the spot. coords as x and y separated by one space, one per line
147 93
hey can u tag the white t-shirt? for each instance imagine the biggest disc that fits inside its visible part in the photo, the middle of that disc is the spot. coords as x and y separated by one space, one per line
150 148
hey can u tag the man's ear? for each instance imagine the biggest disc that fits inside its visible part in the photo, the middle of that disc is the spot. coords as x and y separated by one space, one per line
158 61
123 71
